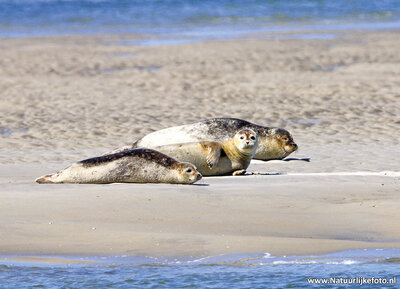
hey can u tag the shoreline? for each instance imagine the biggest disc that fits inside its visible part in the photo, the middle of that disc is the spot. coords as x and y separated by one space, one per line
222 32
353 256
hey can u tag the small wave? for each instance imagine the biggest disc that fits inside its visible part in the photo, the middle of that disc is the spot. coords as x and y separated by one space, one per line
281 262
344 262
267 255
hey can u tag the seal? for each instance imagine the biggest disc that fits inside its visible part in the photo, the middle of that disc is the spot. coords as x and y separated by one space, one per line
217 158
273 143
130 166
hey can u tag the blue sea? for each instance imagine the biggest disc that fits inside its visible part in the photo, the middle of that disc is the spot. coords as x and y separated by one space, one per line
372 268
206 18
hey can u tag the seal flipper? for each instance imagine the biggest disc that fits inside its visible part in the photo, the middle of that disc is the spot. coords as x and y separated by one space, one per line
213 150
239 173
46 179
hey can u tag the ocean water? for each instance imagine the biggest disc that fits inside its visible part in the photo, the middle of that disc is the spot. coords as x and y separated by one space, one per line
347 269
209 18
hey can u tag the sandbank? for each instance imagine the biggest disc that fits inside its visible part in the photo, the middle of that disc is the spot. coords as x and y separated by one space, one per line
67 98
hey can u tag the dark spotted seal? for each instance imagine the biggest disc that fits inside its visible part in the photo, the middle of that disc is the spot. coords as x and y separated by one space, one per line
130 166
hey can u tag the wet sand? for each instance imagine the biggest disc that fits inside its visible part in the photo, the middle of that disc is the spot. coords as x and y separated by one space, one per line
63 99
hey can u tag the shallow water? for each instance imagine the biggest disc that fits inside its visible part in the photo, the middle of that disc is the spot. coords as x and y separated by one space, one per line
207 18
9 131
224 271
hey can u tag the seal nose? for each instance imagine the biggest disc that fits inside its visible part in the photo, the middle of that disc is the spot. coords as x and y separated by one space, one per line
199 176
247 142
294 145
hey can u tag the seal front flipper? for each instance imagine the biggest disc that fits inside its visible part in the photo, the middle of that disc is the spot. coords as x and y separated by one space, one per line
239 173
213 150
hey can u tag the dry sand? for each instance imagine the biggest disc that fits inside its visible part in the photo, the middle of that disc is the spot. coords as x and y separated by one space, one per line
63 99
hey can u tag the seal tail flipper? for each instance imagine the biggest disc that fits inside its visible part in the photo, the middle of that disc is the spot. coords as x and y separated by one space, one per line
46 179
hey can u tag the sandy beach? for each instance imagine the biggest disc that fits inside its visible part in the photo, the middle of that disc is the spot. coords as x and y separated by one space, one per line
67 98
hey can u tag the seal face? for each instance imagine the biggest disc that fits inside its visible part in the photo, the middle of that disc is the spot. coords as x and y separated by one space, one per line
217 158
278 144
246 141
129 166
273 143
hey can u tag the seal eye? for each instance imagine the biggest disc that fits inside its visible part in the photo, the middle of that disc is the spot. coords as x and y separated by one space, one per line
189 171
253 137
242 137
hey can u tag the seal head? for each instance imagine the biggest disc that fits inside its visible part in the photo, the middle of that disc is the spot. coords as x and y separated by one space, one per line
188 173
276 144
246 140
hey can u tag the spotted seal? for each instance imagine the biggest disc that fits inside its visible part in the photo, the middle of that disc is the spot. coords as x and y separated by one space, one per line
130 166
273 143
